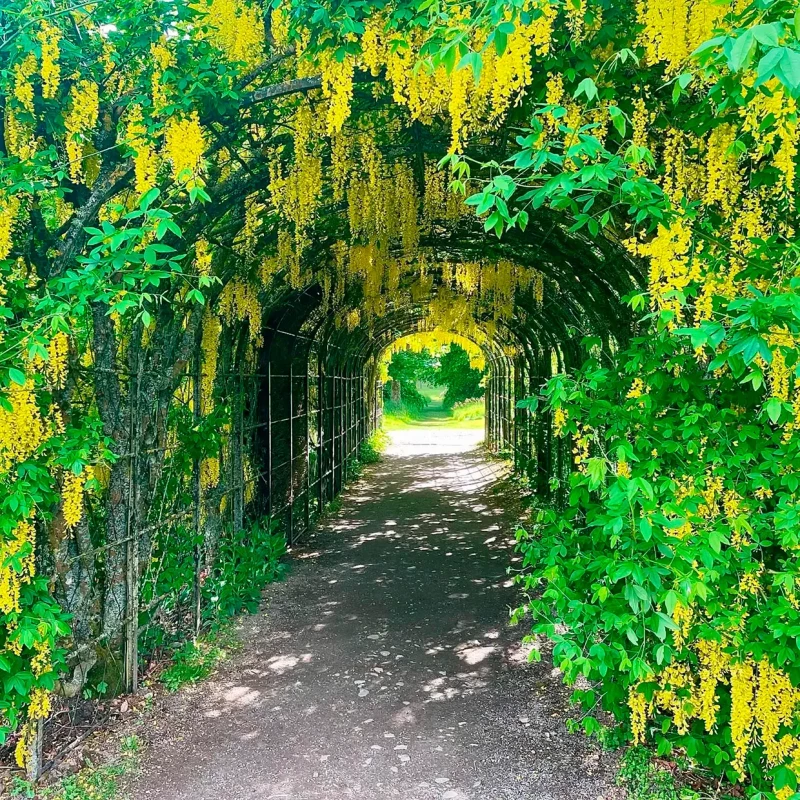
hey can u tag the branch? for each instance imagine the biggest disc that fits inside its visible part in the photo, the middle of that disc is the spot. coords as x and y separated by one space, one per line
106 379
263 67
293 87
280 90
107 185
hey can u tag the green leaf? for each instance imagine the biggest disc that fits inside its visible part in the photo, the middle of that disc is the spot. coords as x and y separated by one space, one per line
742 51
587 87
773 407
790 69
17 376
596 469
766 34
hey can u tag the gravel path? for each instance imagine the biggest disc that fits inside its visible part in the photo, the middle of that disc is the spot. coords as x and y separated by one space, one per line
383 667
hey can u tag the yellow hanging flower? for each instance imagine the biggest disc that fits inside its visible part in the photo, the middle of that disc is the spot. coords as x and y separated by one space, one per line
184 145
58 350
145 158
79 122
637 703
49 37
742 712
72 496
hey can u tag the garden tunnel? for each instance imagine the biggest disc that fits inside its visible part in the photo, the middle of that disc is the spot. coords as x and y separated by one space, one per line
318 394
291 415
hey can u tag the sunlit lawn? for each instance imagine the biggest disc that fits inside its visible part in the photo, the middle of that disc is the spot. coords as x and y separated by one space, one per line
468 415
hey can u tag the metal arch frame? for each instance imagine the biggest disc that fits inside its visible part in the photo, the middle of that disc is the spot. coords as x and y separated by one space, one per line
340 401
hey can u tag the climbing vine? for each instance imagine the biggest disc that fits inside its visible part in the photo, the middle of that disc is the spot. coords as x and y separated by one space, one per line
168 180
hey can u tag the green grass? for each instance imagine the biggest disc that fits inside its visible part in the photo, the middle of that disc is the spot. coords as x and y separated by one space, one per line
195 661
467 415
644 780
433 394
91 783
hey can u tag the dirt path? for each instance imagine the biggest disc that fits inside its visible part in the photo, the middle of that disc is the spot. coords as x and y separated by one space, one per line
383 667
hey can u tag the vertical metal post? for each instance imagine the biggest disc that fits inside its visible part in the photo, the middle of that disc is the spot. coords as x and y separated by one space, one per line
238 461
290 531
342 440
333 436
321 393
131 665
308 453
198 545
349 417
269 438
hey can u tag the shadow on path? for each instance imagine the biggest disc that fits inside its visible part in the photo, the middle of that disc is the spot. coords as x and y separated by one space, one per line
383 667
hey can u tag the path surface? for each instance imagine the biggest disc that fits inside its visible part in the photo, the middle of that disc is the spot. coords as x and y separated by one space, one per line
383 667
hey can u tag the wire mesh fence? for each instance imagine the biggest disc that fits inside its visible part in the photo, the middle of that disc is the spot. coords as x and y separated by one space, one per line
188 484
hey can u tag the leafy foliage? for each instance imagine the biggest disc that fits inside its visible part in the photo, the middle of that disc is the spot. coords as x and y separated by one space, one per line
195 661
644 780
246 562
673 554
463 382
408 368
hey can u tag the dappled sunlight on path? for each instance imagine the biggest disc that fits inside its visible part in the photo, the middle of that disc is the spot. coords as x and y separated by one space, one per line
384 667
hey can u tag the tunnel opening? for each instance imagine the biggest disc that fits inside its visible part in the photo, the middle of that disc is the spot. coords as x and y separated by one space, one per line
535 305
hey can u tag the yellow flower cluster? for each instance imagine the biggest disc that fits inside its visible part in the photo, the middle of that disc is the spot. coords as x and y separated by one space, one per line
19 135
763 703
184 145
209 473
72 496
670 272
162 59
202 257
38 708
674 28
209 347
559 421
637 389
79 122
145 155
296 196
41 663
9 206
337 88
57 351
637 703
580 450
237 29
427 90
238 300
21 429
23 87
21 547
723 178
49 37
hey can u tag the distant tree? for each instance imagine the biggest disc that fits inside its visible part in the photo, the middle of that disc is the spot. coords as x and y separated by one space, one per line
406 369
463 382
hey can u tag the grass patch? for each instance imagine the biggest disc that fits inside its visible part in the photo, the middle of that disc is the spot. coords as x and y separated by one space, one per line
91 783
195 661
468 414
644 780
470 411
373 447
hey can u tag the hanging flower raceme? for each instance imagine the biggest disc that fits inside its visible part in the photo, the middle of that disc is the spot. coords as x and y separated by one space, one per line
49 37
79 123
145 154
236 28
184 146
